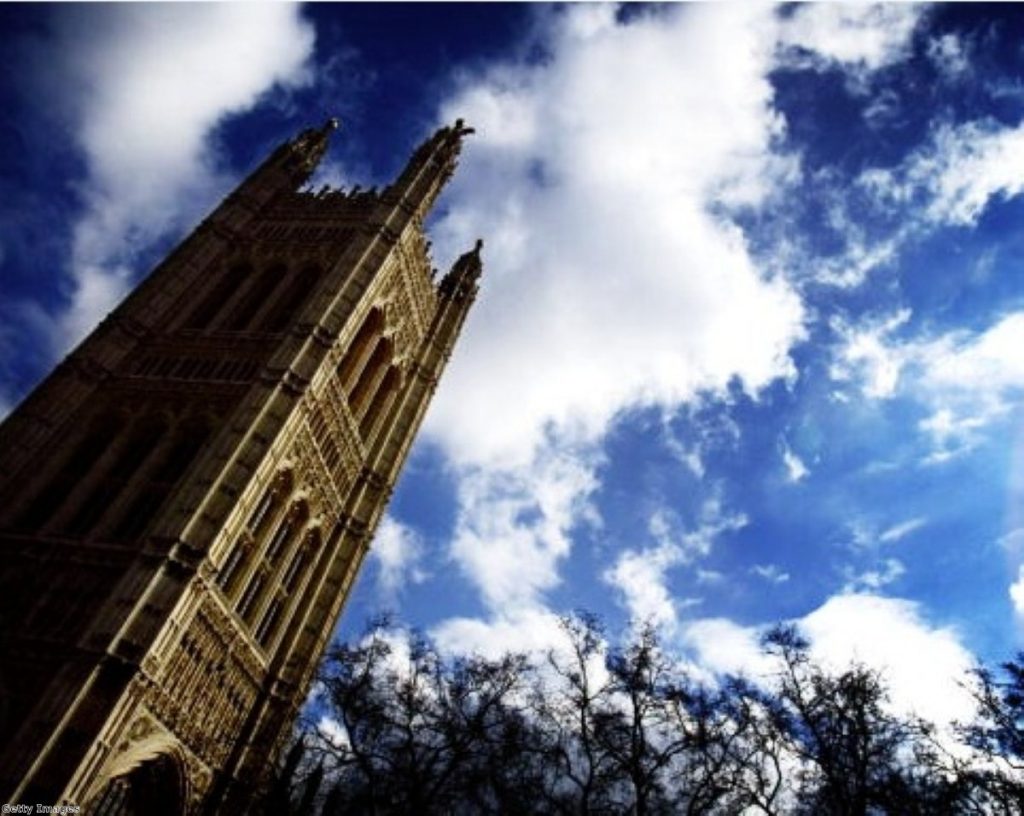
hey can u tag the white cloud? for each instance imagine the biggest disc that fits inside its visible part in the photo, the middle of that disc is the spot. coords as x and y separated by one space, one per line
398 551
1012 540
149 84
952 179
770 573
604 180
949 53
513 527
610 280
520 631
901 530
725 647
640 577
967 380
922 664
867 355
856 37
988 362
796 470
1017 592
887 571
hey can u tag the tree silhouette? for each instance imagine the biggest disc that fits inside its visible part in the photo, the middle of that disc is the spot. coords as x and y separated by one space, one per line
596 729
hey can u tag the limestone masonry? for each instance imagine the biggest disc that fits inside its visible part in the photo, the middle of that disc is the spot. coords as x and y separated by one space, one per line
186 500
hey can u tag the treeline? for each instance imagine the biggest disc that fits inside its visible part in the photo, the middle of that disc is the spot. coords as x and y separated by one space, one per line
593 729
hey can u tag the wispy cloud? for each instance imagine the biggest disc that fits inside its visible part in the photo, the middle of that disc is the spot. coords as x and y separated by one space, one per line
640 576
886 572
901 530
770 573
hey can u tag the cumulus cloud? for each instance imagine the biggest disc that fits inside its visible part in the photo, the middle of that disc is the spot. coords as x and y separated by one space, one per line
923 664
606 179
398 551
612 278
855 37
513 526
950 54
867 356
149 84
519 631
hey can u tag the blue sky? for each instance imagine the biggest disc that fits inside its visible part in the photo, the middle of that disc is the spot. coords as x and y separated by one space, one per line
750 342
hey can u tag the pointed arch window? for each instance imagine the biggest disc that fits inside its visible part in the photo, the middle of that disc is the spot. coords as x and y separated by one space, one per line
371 376
232 567
258 524
359 349
381 402
248 602
268 625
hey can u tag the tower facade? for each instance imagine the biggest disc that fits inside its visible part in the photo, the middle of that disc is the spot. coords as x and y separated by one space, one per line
186 500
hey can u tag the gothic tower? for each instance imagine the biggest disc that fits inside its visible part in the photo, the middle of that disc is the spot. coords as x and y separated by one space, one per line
186 500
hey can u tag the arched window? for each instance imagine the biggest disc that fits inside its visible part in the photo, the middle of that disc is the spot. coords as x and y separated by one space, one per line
83 458
286 532
233 567
217 295
248 603
360 348
283 603
259 522
370 377
381 401
296 292
268 625
258 292
291 575
106 488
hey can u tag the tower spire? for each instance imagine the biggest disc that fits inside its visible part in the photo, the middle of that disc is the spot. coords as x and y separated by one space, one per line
462 278
430 167
306 150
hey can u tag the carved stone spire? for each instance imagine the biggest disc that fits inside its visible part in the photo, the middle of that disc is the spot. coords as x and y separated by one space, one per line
308 148
465 272
430 167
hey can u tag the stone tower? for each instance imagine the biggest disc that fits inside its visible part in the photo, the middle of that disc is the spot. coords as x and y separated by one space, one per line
186 500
